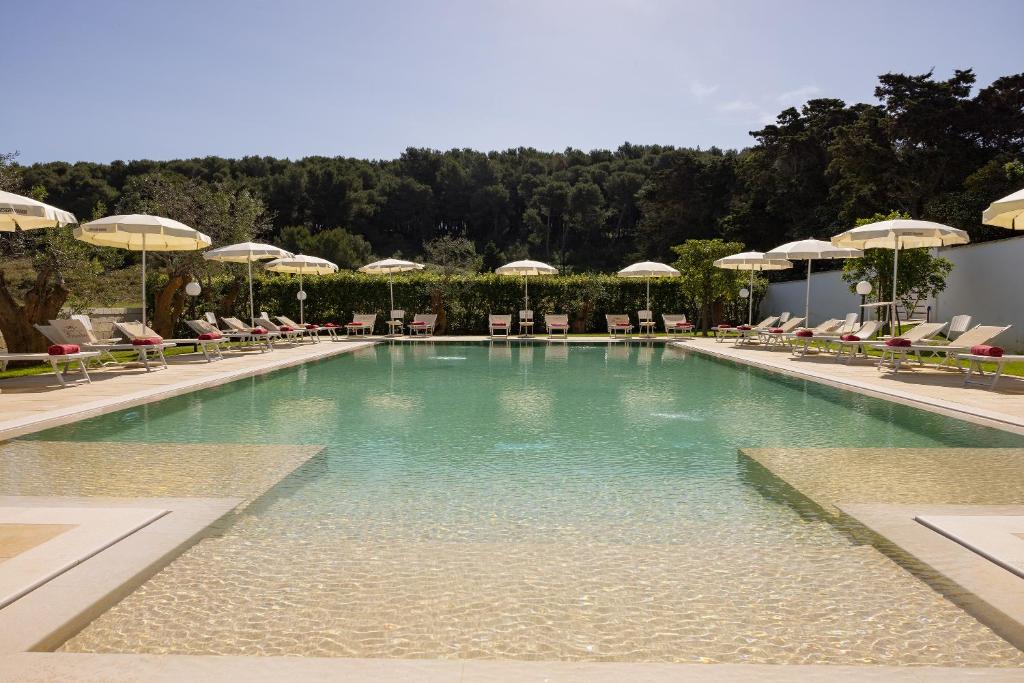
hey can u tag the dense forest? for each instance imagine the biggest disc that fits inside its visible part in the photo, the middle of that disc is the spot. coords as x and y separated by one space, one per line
935 149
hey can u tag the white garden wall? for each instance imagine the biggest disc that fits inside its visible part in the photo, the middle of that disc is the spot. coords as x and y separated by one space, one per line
987 282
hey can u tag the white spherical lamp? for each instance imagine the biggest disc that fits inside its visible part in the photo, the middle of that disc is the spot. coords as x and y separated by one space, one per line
301 296
863 287
193 288
744 293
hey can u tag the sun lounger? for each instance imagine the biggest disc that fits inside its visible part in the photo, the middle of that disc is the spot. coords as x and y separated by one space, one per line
286 332
618 323
800 340
897 355
499 325
207 343
748 334
259 336
856 343
362 324
311 332
778 336
974 365
676 324
557 325
75 332
203 327
645 323
55 357
395 322
976 336
526 322
422 324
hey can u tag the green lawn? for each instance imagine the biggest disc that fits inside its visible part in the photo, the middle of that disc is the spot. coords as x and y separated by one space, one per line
43 368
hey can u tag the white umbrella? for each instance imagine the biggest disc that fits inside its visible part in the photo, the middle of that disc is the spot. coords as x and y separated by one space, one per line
809 250
752 261
391 266
27 213
301 264
647 270
896 234
247 252
142 232
526 269
1007 212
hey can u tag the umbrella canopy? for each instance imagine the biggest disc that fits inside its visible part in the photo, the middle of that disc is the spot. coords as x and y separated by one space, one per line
526 268
647 270
1007 212
142 232
809 250
247 252
390 266
754 261
900 233
301 264
28 214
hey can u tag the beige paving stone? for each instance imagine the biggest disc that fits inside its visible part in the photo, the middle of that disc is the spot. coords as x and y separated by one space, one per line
17 538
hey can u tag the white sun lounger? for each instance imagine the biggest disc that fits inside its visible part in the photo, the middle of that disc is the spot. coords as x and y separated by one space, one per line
618 323
362 324
499 325
974 365
312 332
897 355
76 332
248 336
676 324
780 338
982 334
856 347
68 359
423 324
209 347
557 325
286 332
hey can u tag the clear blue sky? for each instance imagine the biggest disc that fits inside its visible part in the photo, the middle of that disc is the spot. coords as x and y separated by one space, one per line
99 80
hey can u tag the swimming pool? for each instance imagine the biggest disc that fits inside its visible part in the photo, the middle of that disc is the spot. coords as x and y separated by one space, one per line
537 502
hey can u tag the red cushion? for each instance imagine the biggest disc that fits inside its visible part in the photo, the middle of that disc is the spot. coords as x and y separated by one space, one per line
622 325
285 328
147 341
558 325
986 350
331 325
849 337
207 336
312 327
776 330
683 325
257 330
355 324
898 342
805 333
724 326
498 324
744 327
63 349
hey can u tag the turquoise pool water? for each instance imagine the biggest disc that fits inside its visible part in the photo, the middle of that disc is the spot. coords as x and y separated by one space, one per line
537 502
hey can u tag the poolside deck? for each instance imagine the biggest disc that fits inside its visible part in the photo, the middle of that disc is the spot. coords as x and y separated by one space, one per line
937 390
32 403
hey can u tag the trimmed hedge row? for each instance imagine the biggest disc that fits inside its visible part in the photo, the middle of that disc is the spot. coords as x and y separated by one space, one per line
463 302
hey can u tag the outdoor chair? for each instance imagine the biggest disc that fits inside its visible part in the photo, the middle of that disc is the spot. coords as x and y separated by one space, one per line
897 355
645 323
209 344
362 324
980 335
526 322
75 332
422 324
676 324
498 325
557 325
395 322
618 324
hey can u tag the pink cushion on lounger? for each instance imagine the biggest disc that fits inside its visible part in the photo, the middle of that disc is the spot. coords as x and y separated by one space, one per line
498 324
147 341
850 337
330 324
986 350
63 349
805 333
776 330
744 327
208 336
558 325
286 328
724 326
312 327
898 342
683 325
257 330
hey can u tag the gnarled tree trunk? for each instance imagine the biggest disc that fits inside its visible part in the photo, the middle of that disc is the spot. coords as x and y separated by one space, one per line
43 302
168 304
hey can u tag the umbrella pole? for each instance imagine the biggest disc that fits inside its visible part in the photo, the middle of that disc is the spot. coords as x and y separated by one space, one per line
252 309
526 289
750 300
391 288
302 316
893 320
807 301
143 279
648 278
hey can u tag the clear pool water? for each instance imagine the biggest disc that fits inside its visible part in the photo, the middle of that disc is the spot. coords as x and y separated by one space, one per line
538 502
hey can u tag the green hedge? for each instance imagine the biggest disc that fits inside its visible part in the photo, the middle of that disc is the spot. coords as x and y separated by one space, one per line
463 302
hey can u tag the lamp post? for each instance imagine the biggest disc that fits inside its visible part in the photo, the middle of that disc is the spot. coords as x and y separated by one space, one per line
193 290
